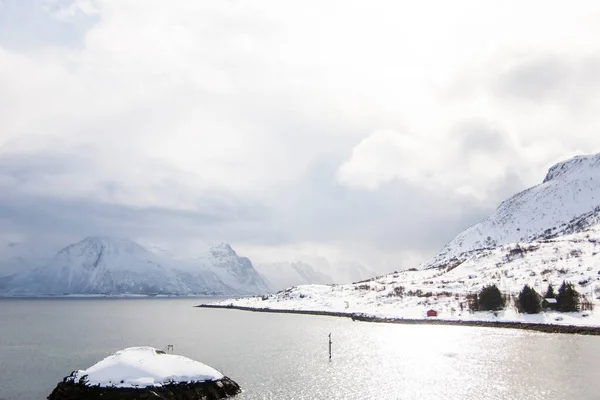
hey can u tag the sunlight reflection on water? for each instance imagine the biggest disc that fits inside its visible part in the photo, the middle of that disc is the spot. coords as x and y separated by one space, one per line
279 356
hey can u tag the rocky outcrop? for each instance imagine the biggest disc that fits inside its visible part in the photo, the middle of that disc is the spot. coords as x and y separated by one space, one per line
145 373
72 389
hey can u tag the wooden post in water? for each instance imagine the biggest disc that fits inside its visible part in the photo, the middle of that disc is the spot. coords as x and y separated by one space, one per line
330 346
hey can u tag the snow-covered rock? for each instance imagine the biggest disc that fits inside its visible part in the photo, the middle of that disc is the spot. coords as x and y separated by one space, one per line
146 366
138 371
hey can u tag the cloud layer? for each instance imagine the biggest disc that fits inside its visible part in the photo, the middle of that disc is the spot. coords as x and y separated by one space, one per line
361 132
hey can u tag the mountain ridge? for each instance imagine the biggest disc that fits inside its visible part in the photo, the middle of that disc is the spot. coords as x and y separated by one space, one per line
571 188
112 265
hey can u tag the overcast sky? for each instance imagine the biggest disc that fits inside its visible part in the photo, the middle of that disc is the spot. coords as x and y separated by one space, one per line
365 131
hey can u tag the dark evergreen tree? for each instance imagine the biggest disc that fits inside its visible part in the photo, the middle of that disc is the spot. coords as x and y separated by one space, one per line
529 301
491 299
550 294
567 298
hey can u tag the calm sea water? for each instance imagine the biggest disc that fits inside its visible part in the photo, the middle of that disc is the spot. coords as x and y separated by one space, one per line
278 356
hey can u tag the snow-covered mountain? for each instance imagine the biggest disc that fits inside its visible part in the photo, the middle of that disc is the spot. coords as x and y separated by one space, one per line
236 272
282 275
541 236
309 270
102 265
341 271
570 189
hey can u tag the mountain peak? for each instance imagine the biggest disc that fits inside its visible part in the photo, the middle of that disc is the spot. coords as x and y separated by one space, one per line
105 239
222 249
570 190
577 164
101 243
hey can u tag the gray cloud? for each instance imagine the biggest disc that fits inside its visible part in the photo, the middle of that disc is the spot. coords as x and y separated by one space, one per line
538 79
401 216
232 121
481 136
570 82
30 24
31 203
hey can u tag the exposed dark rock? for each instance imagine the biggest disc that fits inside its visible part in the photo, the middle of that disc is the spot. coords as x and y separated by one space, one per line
73 389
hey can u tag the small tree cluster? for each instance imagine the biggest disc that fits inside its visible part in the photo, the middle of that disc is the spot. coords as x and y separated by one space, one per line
529 301
567 298
398 291
490 299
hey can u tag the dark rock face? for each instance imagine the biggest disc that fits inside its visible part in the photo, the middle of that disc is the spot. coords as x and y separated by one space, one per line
70 389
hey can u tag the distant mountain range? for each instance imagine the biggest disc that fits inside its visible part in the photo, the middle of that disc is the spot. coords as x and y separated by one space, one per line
286 274
282 275
117 266
112 266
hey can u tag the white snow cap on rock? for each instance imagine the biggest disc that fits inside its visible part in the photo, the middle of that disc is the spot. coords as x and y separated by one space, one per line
146 366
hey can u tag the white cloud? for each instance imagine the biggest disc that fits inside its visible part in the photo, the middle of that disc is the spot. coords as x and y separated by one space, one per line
299 107
387 155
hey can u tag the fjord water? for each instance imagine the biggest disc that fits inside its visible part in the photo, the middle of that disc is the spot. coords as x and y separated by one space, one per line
284 356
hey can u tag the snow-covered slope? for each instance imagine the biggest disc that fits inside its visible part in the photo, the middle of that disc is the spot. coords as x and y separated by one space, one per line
410 293
545 235
570 189
236 272
282 275
102 265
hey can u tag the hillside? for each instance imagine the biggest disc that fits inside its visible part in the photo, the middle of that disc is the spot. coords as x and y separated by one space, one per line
558 224
569 190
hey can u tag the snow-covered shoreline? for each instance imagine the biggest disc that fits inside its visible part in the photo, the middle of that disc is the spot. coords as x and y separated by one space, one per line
446 286
557 327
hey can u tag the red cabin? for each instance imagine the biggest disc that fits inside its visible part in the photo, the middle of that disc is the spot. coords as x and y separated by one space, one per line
432 313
